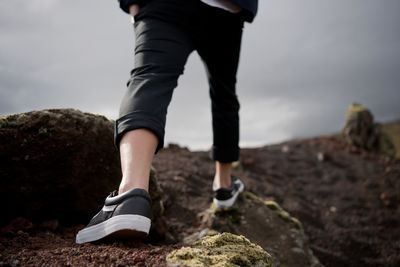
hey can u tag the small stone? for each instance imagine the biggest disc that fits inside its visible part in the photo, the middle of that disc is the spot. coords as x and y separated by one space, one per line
320 156
42 130
51 225
237 165
388 198
195 236
285 149
249 162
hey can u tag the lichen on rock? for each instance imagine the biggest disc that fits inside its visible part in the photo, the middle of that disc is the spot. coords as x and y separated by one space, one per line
224 249
265 223
361 131
284 214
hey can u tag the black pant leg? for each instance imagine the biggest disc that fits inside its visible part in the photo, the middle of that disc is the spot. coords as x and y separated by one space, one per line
161 52
219 47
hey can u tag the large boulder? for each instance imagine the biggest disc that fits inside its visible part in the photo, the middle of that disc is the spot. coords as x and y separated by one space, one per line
220 250
264 223
59 164
361 131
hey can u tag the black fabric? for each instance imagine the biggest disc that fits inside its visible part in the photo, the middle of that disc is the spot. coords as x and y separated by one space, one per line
100 217
137 205
167 31
249 6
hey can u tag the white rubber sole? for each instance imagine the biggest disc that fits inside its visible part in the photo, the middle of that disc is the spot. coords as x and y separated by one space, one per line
120 225
229 202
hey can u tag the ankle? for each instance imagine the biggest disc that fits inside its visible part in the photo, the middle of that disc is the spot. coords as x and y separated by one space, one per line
223 171
222 181
126 187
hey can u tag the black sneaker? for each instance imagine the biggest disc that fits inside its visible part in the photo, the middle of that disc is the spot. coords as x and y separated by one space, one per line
123 216
226 197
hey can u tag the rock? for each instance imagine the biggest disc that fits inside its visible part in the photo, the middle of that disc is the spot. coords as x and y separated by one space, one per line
198 235
359 127
159 225
220 250
285 149
59 164
321 157
389 198
247 162
237 166
392 129
51 225
361 131
385 144
264 223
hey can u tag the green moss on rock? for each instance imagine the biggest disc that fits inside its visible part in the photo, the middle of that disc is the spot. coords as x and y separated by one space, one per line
233 213
353 110
361 131
283 214
273 206
251 196
224 249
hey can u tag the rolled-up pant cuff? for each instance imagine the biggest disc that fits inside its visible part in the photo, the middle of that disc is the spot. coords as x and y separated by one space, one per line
225 154
133 121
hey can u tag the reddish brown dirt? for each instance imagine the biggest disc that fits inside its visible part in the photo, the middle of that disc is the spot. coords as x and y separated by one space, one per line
25 245
348 203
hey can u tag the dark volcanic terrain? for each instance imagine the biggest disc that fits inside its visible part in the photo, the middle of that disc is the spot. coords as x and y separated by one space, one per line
346 198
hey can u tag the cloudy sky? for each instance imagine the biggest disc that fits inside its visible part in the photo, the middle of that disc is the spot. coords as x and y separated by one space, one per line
302 64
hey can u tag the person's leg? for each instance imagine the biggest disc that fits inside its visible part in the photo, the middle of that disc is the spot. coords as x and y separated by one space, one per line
219 50
161 52
137 149
160 55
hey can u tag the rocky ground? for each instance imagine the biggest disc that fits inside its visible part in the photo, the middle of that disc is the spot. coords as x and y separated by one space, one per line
346 198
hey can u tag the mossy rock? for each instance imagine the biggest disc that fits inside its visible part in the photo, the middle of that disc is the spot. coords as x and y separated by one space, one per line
361 131
224 249
284 214
359 127
264 223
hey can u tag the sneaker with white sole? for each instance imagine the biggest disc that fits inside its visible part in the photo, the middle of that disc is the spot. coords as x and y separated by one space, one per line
123 216
226 197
